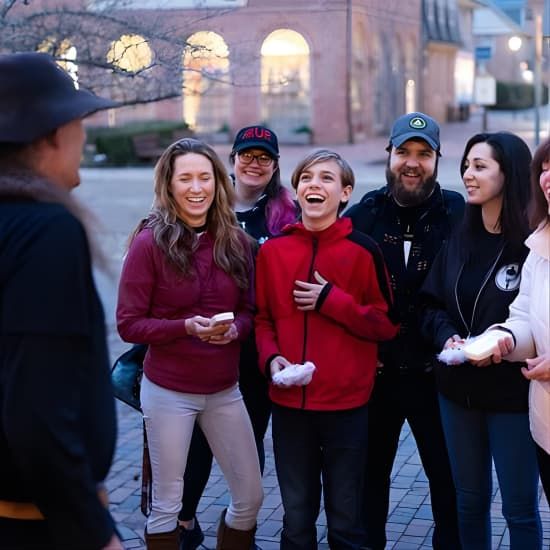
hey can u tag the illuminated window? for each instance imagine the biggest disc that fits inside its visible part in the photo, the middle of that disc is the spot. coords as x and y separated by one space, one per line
65 54
206 83
131 53
285 80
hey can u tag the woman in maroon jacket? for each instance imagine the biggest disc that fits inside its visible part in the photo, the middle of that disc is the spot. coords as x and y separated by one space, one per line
187 261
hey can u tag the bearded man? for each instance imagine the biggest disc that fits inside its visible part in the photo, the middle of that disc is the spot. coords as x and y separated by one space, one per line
410 218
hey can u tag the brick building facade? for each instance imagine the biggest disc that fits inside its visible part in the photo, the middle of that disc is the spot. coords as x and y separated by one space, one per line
317 71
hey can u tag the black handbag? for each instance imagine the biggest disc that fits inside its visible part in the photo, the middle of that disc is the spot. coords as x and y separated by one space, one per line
126 375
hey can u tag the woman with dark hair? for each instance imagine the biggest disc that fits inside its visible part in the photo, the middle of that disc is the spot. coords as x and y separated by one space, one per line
188 261
263 207
528 324
470 286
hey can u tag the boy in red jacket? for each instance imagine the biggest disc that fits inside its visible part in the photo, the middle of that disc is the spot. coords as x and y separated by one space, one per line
323 297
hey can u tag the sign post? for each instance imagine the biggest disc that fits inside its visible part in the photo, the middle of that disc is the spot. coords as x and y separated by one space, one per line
546 20
483 53
485 94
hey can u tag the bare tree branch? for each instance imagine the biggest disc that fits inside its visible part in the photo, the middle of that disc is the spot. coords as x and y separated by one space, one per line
92 28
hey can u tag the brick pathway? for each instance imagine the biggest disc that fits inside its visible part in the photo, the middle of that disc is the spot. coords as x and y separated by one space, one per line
409 524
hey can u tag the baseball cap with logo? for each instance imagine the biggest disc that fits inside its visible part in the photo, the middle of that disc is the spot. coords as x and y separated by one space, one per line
415 126
257 136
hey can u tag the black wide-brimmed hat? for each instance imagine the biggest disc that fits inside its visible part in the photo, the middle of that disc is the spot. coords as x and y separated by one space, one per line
37 96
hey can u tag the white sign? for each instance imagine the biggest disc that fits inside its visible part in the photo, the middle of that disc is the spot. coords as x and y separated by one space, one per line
485 90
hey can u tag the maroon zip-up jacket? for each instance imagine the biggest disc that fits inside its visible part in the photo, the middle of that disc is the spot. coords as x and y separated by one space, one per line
353 313
154 299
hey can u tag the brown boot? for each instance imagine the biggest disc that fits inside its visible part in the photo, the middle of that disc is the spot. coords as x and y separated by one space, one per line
233 539
163 541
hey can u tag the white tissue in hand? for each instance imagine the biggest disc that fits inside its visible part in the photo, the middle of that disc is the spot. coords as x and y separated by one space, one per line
295 375
452 356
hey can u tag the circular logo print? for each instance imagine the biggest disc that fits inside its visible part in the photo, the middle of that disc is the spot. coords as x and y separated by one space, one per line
508 277
417 123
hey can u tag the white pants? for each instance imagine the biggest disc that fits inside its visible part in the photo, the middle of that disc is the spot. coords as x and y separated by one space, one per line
169 419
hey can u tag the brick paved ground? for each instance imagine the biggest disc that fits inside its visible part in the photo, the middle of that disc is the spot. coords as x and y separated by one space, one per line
119 198
409 524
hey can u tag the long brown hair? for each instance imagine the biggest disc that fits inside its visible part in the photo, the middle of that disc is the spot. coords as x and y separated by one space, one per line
19 179
538 207
178 240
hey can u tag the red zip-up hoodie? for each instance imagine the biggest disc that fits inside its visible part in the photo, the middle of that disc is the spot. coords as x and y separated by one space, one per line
353 313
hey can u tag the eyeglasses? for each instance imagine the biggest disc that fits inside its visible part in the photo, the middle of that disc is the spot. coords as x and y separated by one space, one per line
263 160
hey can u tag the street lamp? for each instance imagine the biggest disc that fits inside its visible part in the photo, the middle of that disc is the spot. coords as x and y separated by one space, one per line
514 43
538 73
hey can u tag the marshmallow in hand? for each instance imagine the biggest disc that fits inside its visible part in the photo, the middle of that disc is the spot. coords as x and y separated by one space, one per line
452 356
295 375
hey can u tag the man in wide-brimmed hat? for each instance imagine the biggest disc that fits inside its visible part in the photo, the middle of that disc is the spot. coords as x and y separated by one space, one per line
57 416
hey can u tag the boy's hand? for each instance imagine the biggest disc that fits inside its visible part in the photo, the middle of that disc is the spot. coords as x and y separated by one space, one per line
278 363
306 297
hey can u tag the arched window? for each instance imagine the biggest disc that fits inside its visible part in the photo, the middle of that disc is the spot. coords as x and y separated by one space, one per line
65 54
285 79
131 52
206 83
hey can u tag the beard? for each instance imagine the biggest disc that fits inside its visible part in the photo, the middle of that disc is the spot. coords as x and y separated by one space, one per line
410 197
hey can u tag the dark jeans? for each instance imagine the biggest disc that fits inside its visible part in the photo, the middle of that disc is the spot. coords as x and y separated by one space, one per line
254 388
315 449
412 397
543 459
475 437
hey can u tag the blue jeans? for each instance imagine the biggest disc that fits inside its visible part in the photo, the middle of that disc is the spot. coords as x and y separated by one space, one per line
474 437
315 446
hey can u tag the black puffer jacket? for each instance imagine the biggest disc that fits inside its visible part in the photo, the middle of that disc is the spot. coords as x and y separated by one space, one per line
377 215
57 411
497 388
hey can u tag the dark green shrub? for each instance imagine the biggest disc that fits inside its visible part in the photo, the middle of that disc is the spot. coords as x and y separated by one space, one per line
117 145
517 95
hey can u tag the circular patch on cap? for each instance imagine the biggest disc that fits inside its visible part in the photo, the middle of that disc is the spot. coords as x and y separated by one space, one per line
417 123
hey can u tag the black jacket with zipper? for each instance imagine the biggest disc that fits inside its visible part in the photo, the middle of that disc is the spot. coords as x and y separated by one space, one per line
377 216
496 388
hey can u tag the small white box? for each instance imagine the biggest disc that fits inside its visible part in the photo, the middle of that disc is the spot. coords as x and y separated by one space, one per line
224 318
483 346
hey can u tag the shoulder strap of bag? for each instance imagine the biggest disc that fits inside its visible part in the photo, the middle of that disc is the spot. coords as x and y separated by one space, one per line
146 478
